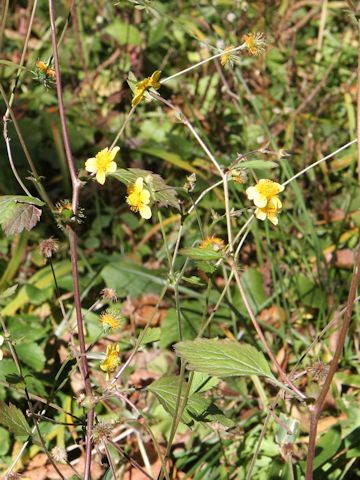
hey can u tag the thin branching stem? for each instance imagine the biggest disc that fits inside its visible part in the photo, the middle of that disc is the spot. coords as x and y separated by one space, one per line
202 62
73 241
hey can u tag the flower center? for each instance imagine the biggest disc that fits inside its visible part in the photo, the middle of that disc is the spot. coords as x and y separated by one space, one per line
102 160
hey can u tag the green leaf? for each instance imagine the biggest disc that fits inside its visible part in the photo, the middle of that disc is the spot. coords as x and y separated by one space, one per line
31 355
151 335
223 358
124 33
287 431
18 213
197 408
257 164
4 442
13 65
253 282
8 292
13 418
165 195
197 253
310 294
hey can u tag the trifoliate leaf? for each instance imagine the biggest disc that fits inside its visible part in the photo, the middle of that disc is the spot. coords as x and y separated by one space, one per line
13 418
223 358
18 213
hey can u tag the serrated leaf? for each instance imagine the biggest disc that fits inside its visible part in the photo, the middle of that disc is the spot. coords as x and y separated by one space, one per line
165 195
197 253
18 213
197 408
13 418
223 358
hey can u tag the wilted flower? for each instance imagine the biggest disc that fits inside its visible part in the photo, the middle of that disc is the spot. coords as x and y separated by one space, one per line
102 163
48 247
139 198
109 294
102 432
255 43
225 57
111 361
59 454
214 243
144 85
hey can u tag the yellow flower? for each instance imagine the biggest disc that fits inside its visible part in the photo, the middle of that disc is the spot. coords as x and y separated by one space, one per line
225 57
255 43
109 320
111 361
270 211
214 242
139 198
263 191
102 163
143 85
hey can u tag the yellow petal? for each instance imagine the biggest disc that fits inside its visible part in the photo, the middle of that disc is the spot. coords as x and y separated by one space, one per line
251 192
260 214
113 153
112 167
155 76
145 211
100 177
260 200
145 197
137 99
139 184
273 219
90 165
275 203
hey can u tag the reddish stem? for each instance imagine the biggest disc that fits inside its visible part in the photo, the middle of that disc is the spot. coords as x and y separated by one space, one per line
84 366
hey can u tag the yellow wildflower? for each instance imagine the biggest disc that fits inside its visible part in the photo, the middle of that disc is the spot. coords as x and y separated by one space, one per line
263 191
264 195
225 57
255 43
109 320
144 85
270 211
214 242
102 163
111 361
45 69
139 198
